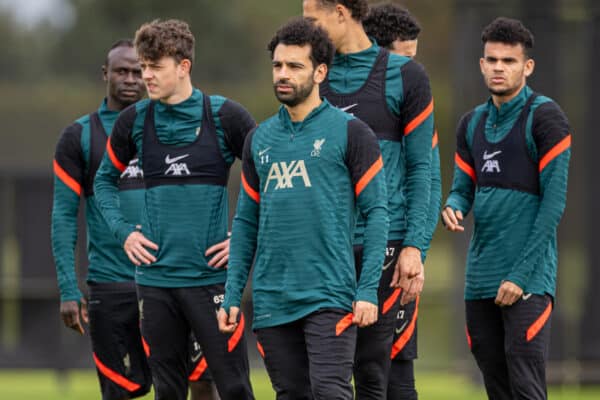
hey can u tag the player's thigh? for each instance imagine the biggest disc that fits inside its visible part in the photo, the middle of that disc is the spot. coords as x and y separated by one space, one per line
485 329
330 345
165 331
116 341
226 354
404 344
527 326
286 360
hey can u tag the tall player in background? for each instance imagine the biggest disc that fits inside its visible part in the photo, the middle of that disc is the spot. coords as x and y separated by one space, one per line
512 164
397 30
392 95
113 310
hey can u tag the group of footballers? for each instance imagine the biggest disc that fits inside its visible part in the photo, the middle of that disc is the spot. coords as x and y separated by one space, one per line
340 196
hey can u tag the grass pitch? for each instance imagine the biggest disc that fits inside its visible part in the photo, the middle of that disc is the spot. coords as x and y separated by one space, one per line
82 385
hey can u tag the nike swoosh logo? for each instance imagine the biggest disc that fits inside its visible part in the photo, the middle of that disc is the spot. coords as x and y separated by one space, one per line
196 357
170 160
386 266
348 107
260 153
487 156
526 296
399 330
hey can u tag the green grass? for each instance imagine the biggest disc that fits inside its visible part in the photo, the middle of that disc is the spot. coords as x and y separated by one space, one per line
82 385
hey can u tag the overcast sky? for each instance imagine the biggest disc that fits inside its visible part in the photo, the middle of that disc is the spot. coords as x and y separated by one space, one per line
30 12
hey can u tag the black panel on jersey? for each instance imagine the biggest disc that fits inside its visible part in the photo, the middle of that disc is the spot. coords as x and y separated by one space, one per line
130 179
416 91
236 123
98 140
506 164
68 152
363 150
462 147
369 103
550 126
199 162
248 167
120 139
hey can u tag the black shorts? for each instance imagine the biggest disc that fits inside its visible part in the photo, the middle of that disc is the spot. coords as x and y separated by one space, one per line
168 316
372 361
510 345
116 341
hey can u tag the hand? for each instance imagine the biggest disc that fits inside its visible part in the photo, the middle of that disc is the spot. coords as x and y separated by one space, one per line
508 294
452 219
365 313
69 312
408 266
228 322
135 248
221 257
414 289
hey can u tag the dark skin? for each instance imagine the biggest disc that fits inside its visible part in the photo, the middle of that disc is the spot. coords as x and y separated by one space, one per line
124 86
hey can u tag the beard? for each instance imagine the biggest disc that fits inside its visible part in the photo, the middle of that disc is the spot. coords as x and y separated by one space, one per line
298 94
503 92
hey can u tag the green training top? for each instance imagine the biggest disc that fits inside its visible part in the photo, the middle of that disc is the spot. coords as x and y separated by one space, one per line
407 159
514 237
302 187
72 174
182 217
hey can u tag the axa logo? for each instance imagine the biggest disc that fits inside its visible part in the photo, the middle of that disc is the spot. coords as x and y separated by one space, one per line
133 170
283 174
490 164
175 167
317 146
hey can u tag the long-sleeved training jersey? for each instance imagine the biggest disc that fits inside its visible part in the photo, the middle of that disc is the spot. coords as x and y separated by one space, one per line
512 168
302 186
435 195
78 155
186 151
391 94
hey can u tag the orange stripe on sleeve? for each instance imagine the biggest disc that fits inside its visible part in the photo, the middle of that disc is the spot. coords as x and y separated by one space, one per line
412 125
539 323
237 335
115 377
260 348
435 140
249 191
389 303
368 176
199 370
343 324
407 334
66 178
555 152
111 154
466 168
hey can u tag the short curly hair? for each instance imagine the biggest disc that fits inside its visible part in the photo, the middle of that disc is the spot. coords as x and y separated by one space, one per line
508 31
358 8
170 38
300 32
388 22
